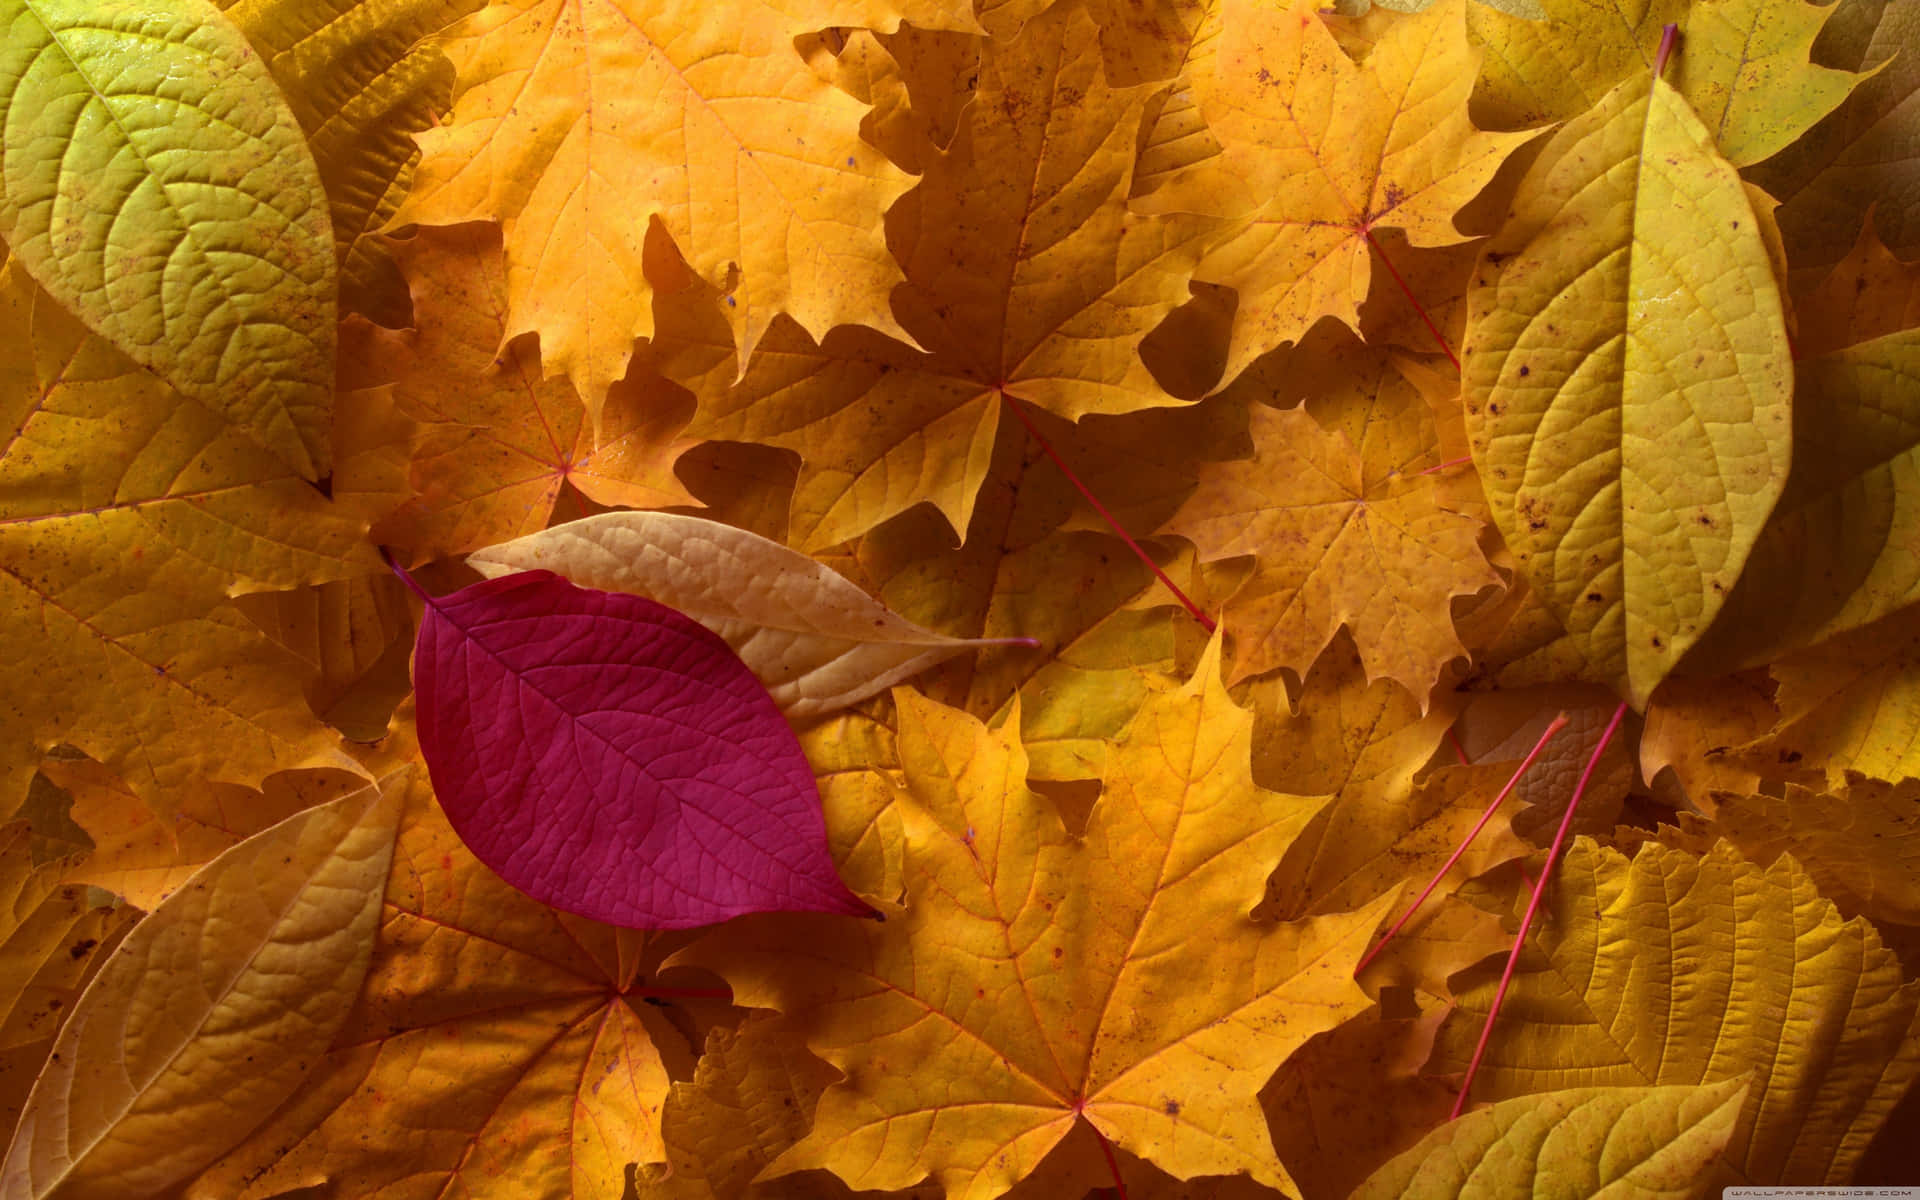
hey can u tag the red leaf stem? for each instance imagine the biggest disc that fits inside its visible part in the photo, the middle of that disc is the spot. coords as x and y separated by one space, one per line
1112 521
1533 905
1113 1164
1555 726
1412 299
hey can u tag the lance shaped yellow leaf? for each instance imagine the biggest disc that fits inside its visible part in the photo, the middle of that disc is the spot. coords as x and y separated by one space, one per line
153 181
128 516
815 639
213 1010
1028 281
498 1050
1626 378
1839 549
53 934
575 125
362 78
1317 153
1625 1143
1036 979
1672 968
1341 536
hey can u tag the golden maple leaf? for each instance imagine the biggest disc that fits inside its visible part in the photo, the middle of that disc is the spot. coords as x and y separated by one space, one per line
128 516
1026 278
575 124
492 443
498 1047
1318 152
1036 979
1341 536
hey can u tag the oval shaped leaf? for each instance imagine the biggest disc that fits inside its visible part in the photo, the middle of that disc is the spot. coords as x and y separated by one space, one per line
1623 1143
1626 378
154 181
613 758
812 637
213 1010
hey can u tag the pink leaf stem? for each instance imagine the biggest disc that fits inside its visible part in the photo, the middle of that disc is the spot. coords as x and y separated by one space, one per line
1555 726
1533 905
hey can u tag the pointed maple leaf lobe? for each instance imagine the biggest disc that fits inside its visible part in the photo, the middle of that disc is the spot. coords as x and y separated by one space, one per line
611 757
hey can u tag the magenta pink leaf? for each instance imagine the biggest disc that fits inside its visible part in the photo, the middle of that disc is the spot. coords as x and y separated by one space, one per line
611 757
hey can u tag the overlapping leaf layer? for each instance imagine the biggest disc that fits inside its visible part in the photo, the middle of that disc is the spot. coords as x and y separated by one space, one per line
1164 461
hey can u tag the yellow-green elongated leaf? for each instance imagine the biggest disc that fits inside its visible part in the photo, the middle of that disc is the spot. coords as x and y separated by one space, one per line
1627 381
1627 1143
213 1010
1675 969
814 638
153 180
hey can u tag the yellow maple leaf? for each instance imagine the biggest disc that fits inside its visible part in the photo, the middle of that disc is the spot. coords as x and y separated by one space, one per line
1851 703
1744 67
1755 971
493 443
1037 979
1026 278
575 124
1341 536
1318 153
1861 844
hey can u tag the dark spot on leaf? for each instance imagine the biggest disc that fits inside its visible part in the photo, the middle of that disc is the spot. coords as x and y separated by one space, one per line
1525 371
83 947
1789 756
1595 598
1172 1108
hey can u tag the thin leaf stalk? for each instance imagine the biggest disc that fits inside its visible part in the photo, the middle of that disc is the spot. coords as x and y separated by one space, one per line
1407 291
1558 723
1533 906
1113 522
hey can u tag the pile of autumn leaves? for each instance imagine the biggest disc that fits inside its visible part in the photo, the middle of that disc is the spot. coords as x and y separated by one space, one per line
870 290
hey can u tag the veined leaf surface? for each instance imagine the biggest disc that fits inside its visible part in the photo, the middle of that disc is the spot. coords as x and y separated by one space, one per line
154 181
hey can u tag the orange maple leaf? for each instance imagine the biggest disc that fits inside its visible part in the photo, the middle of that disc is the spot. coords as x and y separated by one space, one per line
576 122
1317 153
1036 979
1340 537
497 1044
1026 278
491 443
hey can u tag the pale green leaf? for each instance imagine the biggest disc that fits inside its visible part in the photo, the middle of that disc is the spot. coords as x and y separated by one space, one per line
154 181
